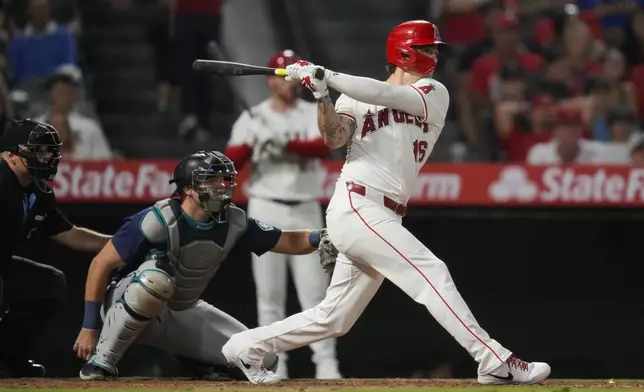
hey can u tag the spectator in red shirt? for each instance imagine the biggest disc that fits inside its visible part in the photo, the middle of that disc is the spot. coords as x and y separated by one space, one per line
463 22
197 22
483 83
507 50
521 125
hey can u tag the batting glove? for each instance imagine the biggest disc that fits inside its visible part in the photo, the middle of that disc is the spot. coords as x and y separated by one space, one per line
275 148
304 72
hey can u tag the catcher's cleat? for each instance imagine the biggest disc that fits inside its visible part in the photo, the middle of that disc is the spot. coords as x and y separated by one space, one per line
90 371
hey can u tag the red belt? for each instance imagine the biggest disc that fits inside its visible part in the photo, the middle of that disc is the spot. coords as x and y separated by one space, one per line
399 209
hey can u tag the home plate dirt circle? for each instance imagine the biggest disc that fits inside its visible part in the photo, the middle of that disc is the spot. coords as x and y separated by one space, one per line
295 384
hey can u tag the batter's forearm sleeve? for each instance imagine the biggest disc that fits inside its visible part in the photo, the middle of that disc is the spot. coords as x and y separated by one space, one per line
375 92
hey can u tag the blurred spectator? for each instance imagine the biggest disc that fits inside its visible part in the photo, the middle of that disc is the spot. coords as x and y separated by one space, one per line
621 125
196 23
482 85
6 109
463 22
466 54
549 30
556 76
85 136
621 89
4 44
598 106
521 124
507 50
622 129
637 152
41 48
614 16
582 54
633 46
161 35
567 145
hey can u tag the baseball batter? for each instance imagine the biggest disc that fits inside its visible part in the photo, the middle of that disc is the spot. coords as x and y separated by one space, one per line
281 137
390 129
164 257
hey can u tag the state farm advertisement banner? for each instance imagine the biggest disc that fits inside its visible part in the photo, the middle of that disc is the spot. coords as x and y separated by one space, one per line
438 184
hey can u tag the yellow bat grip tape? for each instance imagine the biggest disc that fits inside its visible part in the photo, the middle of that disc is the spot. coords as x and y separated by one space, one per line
281 72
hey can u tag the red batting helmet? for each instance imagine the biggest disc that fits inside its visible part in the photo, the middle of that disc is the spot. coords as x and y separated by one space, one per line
283 58
401 45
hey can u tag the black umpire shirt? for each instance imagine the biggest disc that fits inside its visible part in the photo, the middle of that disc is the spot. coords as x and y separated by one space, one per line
25 213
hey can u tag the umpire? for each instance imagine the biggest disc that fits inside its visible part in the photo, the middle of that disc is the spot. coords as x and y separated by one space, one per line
31 293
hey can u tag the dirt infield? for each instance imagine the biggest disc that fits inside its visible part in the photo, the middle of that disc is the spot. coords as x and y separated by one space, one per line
297 384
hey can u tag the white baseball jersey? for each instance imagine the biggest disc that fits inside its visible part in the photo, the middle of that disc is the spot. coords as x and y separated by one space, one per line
390 146
289 176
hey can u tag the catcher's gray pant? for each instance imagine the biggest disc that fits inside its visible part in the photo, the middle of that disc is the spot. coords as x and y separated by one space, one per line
198 332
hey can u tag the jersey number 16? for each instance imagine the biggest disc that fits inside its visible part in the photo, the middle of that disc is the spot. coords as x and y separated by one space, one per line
420 149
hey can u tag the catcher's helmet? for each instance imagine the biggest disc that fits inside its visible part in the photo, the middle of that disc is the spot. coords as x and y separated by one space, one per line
37 143
283 58
402 41
212 175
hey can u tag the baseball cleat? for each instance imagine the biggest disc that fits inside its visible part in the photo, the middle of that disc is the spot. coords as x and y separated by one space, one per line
256 374
90 371
516 371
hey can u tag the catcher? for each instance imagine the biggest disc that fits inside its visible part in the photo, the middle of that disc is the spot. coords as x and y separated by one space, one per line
162 259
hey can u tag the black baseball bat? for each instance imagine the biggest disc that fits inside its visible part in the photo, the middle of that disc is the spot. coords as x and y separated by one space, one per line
230 68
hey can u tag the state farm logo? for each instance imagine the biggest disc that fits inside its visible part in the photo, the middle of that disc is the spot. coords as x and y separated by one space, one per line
438 186
582 185
513 184
147 181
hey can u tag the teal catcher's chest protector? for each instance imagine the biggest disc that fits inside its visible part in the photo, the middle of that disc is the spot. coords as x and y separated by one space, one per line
195 253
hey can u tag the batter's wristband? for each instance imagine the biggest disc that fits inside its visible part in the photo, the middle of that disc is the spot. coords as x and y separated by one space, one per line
314 239
92 318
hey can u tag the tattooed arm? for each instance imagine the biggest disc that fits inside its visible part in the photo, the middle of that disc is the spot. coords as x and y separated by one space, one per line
336 129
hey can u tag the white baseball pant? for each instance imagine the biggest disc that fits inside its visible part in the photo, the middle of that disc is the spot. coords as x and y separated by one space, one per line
270 270
374 245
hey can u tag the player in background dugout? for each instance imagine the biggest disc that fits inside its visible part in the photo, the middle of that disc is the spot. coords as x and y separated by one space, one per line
31 293
281 138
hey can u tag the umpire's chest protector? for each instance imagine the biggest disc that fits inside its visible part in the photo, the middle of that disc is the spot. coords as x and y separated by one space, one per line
196 254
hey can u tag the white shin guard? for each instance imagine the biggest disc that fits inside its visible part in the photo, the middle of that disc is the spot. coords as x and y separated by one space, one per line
144 299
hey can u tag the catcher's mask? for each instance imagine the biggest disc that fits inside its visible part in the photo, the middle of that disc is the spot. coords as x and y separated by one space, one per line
213 176
38 144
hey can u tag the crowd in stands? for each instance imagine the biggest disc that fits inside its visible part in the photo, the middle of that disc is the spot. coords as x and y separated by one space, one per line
537 81
547 81
41 77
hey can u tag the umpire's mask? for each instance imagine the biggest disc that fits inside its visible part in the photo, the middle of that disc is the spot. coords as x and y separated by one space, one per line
38 144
